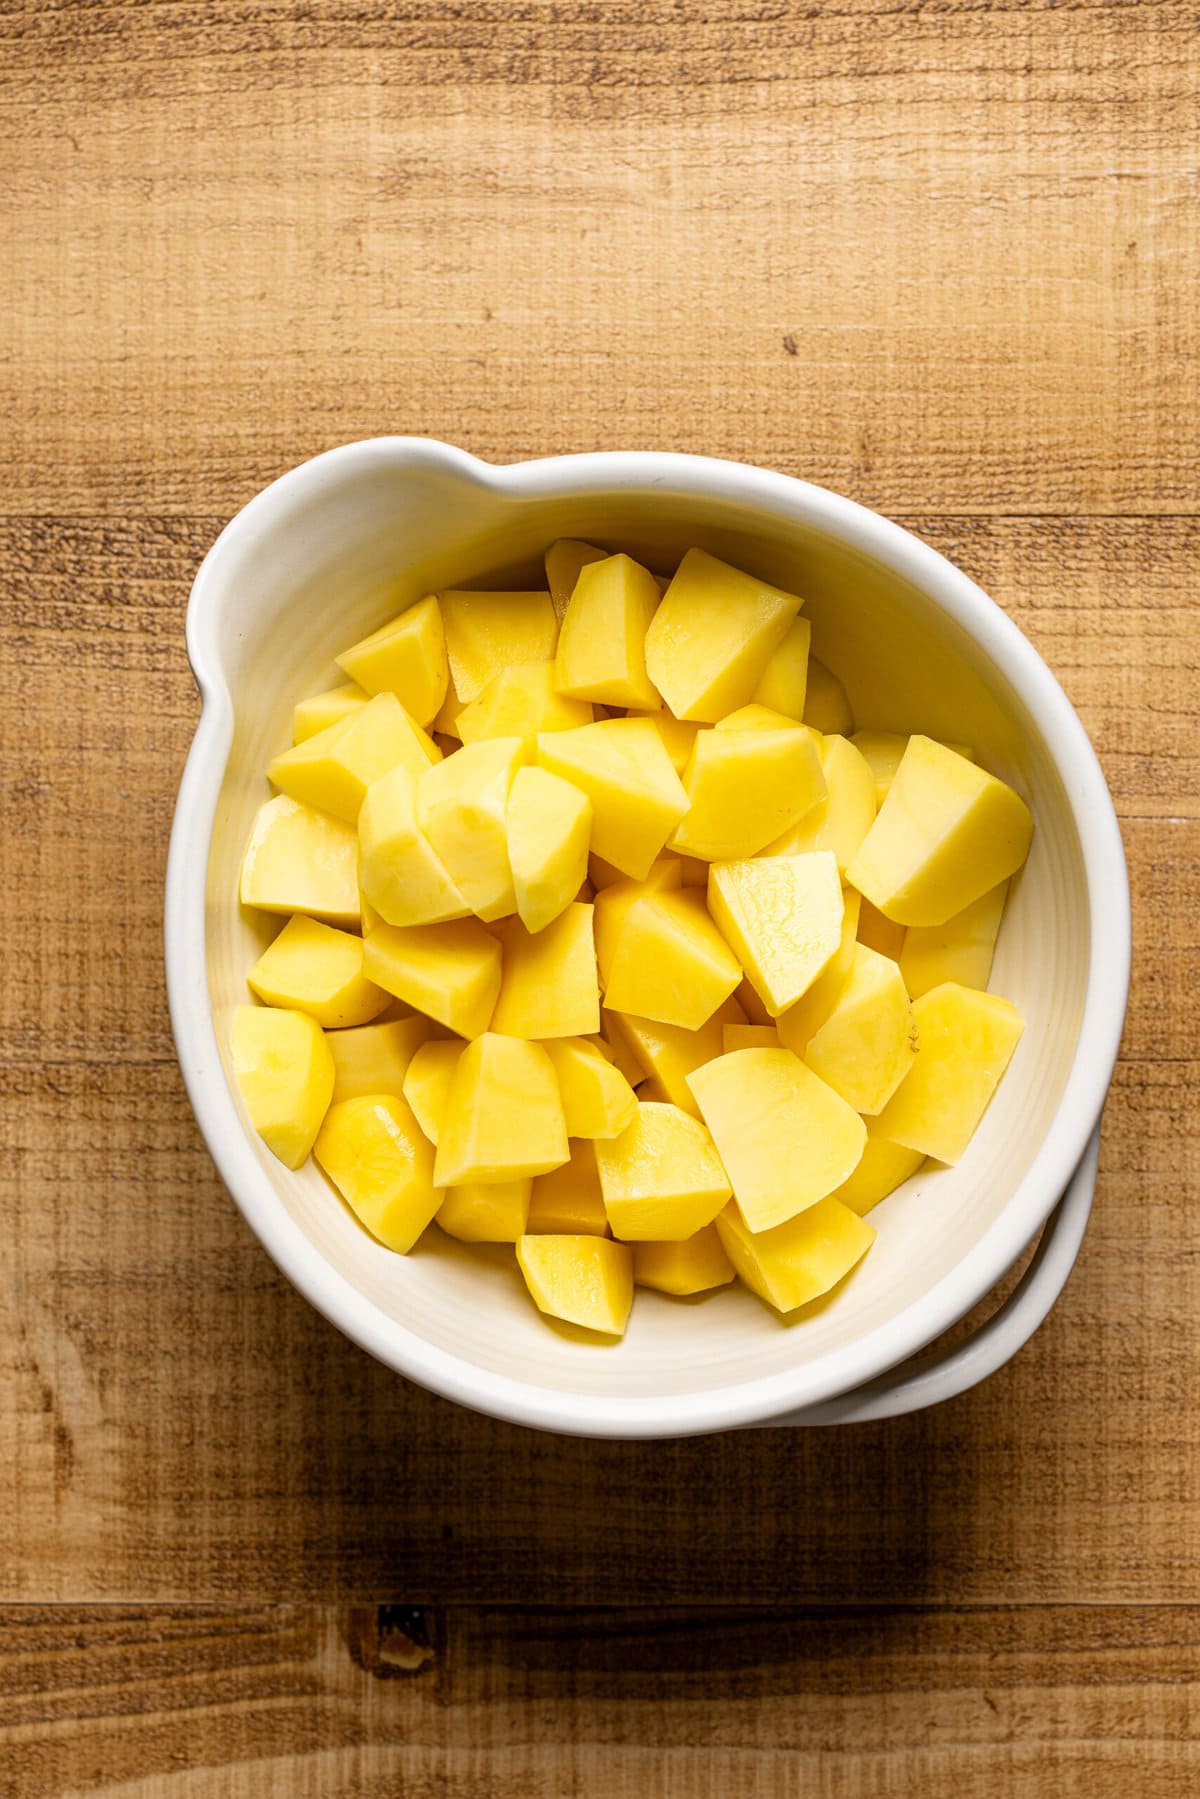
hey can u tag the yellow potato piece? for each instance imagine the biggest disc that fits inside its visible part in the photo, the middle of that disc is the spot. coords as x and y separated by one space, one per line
615 902
796 1262
612 1044
960 950
637 798
380 1163
486 1212
406 657
671 964
967 1041
564 561
519 702
284 1073
667 1054
879 933
583 1280
747 998
602 874
826 707
487 632
446 722
797 1024
549 829
782 918
678 734
602 644
745 788
549 986
462 808
884 1167
754 716
451 972
784 681
300 860
321 710
426 1084
694 1266
333 770
842 819
713 635
399 871
662 1179
374 1058
504 1117
568 1201
313 968
946 834
597 1099
868 1044
785 1137
748 1036
883 751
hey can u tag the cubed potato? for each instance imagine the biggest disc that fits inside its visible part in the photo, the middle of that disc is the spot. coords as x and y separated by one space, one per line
450 972
615 902
333 769
486 632
678 734
313 968
284 1073
667 1054
637 798
868 1045
564 560
374 1153
946 834
798 1023
462 808
782 918
884 1167
960 950
486 1211
694 1266
842 819
568 1201
321 710
826 707
754 716
967 1041
549 986
300 860
748 1036
612 1044
798 1261
586 1281
785 1137
504 1116
602 643
671 964
784 681
426 1084
400 873
520 702
549 830
879 933
374 1058
713 635
746 787
406 657
883 752
662 1179
597 1099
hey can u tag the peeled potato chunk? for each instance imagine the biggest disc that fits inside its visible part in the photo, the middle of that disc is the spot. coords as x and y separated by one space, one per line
374 1058
486 1212
548 986
696 1265
376 1156
748 1036
796 1262
301 860
549 830
884 1167
520 702
670 963
504 1116
782 918
662 1179
967 1041
637 798
462 808
785 1137
333 770
826 707
842 819
678 734
426 1084
399 871
488 632
667 1053
946 833
869 1044
799 1022
564 561
314 968
960 950
406 657
745 787
284 1073
602 644
615 902
713 635
451 972
583 1280
597 1099
568 1201
321 710
784 682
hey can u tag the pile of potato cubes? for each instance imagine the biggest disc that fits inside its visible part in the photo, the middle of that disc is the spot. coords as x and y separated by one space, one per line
611 939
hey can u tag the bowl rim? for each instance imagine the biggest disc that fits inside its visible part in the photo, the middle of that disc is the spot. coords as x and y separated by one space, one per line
763 1397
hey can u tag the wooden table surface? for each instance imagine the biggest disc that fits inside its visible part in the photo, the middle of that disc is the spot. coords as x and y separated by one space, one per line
942 257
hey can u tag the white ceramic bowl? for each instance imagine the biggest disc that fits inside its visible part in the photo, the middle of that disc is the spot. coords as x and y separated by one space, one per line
326 554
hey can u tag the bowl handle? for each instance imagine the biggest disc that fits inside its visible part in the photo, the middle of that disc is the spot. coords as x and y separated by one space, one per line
927 1379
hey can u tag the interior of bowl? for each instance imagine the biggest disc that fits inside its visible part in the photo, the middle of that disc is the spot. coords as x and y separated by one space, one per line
310 577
